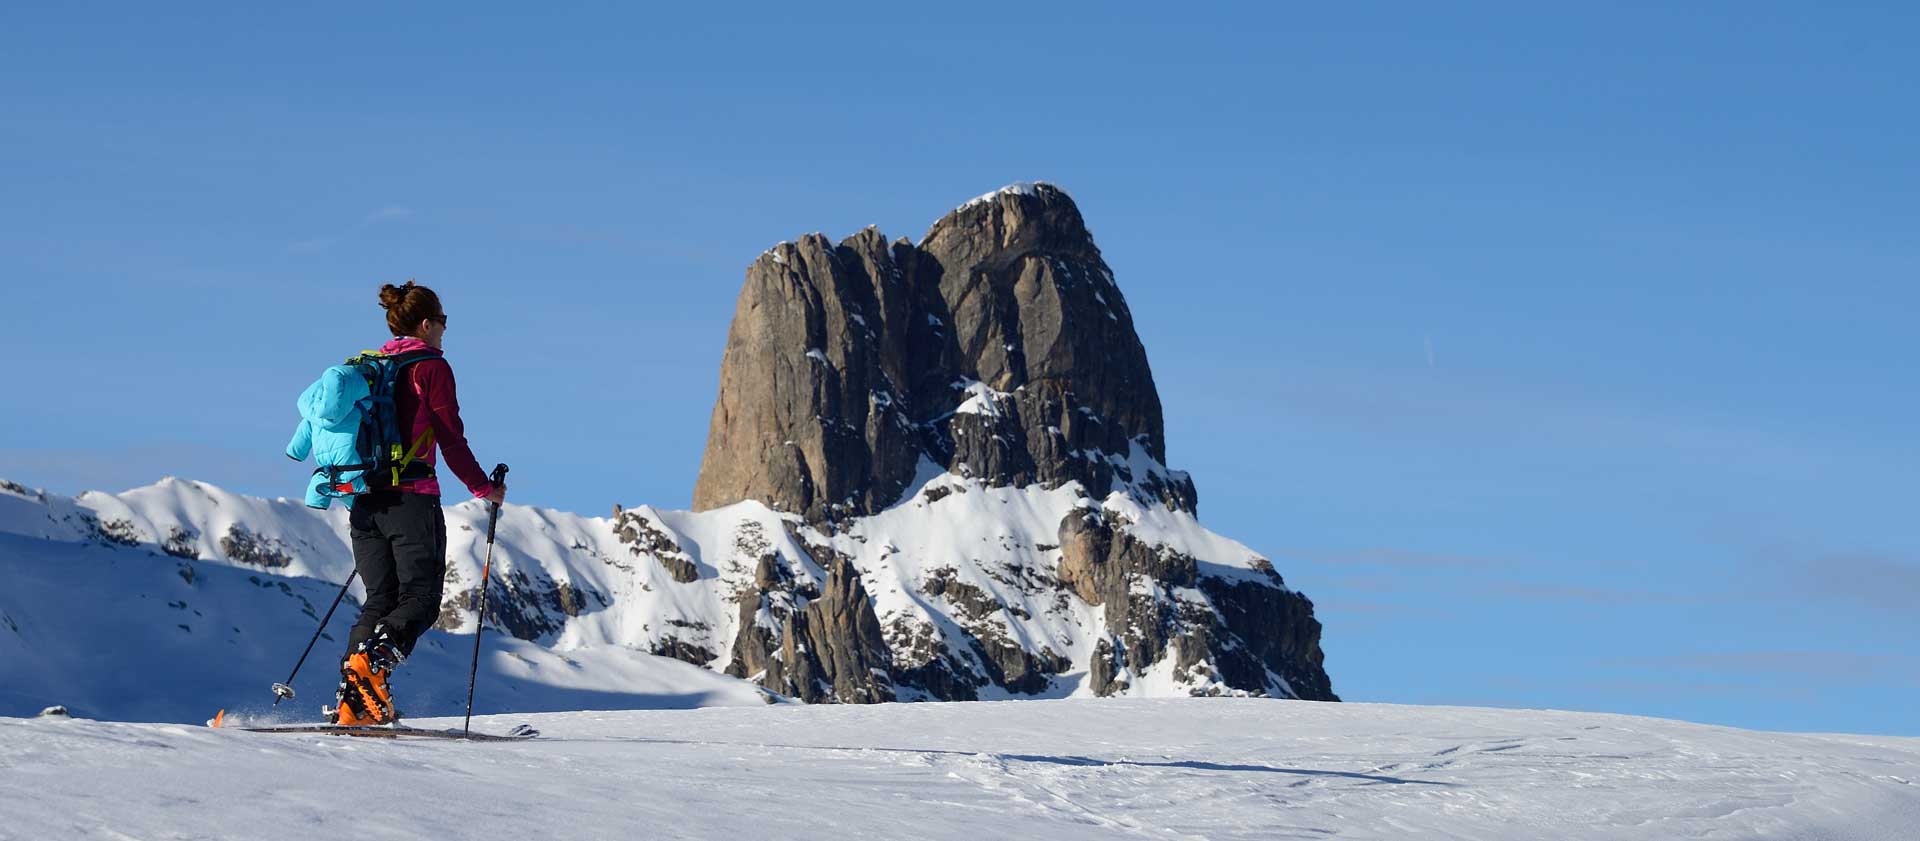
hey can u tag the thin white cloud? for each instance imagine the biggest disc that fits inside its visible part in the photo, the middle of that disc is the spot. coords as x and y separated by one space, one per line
1573 424
315 245
387 213
1880 580
1825 665
1887 582
1390 558
1548 592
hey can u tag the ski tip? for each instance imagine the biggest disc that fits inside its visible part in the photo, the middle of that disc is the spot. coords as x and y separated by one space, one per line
218 718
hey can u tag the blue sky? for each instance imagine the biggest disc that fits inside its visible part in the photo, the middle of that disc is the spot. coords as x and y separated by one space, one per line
1561 356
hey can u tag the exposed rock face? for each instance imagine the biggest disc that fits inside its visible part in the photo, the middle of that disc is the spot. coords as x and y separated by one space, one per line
810 419
1272 630
239 544
529 607
999 348
999 351
644 537
811 644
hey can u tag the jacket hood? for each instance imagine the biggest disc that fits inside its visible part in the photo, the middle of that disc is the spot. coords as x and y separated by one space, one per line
335 400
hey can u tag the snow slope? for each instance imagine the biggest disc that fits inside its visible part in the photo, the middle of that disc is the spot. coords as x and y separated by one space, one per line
209 595
103 611
1118 768
126 635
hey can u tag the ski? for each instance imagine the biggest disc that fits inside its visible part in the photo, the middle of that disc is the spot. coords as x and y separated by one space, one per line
519 733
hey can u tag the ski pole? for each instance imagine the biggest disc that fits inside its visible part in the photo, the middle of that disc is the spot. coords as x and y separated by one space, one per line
480 625
284 691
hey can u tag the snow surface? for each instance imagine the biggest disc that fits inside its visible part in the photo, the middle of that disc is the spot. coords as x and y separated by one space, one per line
1166 768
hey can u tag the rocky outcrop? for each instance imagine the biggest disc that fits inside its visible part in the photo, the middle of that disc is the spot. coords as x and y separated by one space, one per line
532 607
812 644
998 348
1242 633
644 537
239 544
991 656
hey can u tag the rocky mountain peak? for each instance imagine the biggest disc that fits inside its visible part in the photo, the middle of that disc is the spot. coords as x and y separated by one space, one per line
965 434
997 348
1013 220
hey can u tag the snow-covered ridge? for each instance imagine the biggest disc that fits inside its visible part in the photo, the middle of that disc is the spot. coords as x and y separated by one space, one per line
958 572
623 596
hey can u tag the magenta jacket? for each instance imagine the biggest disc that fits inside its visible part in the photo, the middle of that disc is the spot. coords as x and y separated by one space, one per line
429 386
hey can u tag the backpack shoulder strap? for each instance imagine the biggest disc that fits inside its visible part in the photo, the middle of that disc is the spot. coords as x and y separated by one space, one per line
402 360
398 364
403 460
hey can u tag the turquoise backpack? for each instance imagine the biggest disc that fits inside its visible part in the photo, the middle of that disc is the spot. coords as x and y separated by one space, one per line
349 424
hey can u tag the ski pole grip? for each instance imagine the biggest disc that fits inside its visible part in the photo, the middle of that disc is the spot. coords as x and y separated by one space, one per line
493 517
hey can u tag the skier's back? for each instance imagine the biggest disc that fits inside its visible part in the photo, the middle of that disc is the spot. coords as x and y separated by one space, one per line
399 531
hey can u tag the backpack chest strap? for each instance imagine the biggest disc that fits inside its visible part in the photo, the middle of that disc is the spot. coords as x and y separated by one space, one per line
420 445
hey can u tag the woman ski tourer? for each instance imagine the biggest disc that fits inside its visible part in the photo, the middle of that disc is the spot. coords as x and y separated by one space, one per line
398 529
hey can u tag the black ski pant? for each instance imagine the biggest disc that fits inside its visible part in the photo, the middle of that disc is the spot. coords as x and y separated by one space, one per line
400 548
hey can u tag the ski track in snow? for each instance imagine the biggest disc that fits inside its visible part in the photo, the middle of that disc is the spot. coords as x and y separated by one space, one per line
1116 768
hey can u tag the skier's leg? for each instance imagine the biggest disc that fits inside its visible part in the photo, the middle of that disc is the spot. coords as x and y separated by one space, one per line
439 575
373 556
419 529
355 702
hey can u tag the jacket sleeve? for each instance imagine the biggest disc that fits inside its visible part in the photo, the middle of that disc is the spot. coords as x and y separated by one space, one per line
434 379
302 444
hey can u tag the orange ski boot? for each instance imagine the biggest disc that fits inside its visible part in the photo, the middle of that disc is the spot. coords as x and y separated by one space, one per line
349 706
365 675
